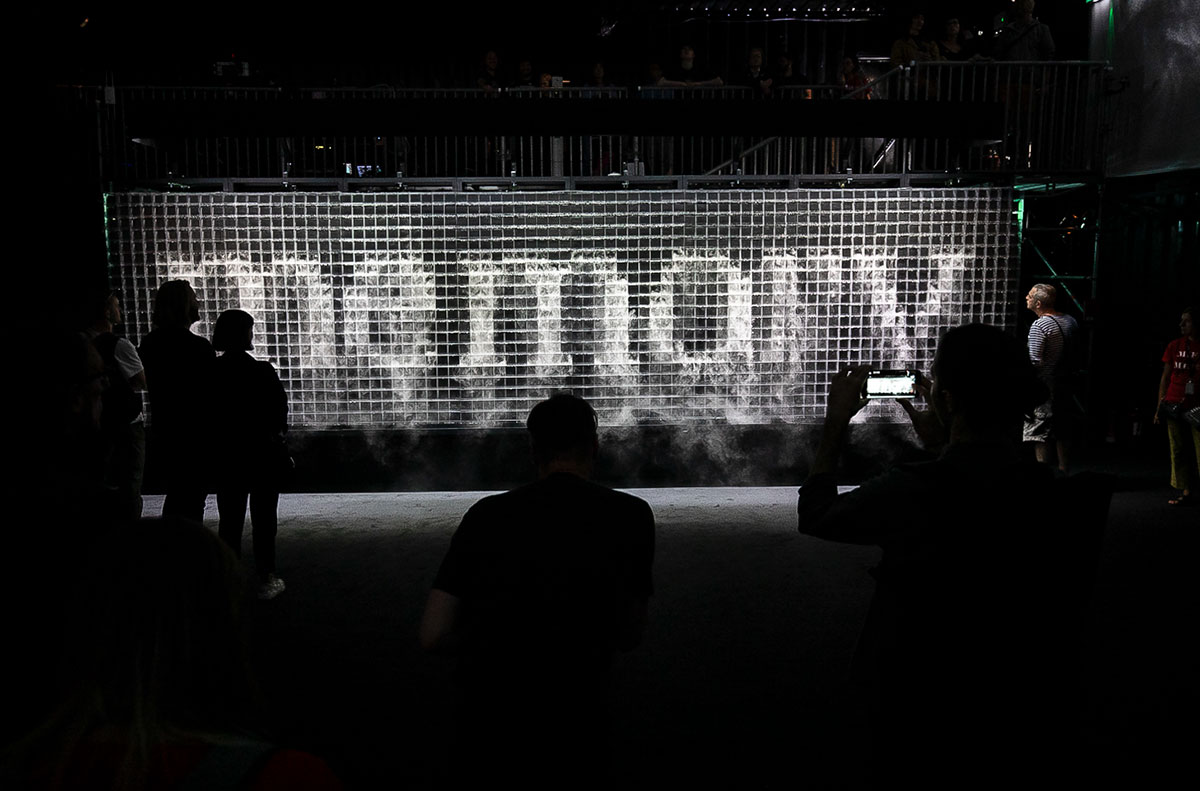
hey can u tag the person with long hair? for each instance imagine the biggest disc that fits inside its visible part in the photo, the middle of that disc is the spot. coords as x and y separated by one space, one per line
1179 393
250 411
854 79
911 45
952 43
178 370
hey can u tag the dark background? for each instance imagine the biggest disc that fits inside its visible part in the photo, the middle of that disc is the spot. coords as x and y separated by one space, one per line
416 43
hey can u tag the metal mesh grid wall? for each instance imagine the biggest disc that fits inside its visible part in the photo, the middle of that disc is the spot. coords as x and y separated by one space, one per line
463 310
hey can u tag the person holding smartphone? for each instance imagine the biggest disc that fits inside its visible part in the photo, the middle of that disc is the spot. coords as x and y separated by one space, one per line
965 657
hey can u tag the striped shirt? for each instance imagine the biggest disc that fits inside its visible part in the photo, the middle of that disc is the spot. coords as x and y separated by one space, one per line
1049 338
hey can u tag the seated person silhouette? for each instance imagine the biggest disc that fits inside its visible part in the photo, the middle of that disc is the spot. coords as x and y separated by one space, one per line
157 690
968 656
539 589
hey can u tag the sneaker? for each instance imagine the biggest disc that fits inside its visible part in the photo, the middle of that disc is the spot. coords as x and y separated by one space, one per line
272 587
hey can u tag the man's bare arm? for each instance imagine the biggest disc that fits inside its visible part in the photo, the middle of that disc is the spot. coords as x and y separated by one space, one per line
844 401
1163 384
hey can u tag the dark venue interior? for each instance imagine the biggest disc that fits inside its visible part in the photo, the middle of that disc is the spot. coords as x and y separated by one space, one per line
429 246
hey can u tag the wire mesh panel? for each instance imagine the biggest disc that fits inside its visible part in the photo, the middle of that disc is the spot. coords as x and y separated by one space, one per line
463 310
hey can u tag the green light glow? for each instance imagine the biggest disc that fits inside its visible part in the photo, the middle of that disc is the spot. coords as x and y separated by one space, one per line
1112 35
1048 187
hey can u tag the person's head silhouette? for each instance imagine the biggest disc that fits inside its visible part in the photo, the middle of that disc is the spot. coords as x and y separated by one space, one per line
983 379
233 331
176 306
563 435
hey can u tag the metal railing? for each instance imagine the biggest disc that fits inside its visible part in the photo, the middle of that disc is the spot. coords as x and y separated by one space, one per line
1051 115
813 155
1050 122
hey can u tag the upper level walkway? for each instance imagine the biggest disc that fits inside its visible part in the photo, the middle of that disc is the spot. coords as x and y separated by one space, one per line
928 121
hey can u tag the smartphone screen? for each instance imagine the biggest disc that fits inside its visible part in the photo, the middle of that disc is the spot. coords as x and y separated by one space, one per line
883 383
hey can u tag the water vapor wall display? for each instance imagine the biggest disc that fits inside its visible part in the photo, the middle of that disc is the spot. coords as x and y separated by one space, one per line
463 310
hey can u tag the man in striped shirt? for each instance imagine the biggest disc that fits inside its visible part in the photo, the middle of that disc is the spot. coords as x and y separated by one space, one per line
1050 346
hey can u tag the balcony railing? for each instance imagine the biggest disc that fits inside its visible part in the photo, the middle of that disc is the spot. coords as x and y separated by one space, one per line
1050 121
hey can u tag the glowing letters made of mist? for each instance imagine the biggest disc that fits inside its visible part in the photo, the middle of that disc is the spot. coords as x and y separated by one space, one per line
697 322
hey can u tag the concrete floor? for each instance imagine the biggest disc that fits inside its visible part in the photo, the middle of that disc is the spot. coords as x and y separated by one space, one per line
740 681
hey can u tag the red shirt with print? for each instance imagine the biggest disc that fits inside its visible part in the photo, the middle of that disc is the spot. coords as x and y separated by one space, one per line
1184 356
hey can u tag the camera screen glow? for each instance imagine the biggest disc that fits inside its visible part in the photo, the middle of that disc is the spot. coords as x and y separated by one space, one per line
891 386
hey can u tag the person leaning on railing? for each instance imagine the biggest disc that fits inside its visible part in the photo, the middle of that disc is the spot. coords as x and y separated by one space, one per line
912 47
689 73
855 82
955 44
1024 38
755 74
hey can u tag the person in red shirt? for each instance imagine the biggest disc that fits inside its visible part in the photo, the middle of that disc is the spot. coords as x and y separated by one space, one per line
1179 393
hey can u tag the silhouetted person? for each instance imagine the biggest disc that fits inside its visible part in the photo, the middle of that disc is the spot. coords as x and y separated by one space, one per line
855 85
969 652
58 476
1023 37
488 77
158 691
954 44
121 422
1179 392
786 74
912 45
596 77
755 74
854 79
178 375
541 586
654 74
65 460
689 73
250 411
1052 350
525 77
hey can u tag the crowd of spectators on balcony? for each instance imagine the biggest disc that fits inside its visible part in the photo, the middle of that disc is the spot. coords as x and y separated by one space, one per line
764 66
1019 37
1023 38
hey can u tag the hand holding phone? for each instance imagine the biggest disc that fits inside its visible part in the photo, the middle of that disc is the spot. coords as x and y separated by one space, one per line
930 430
845 393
